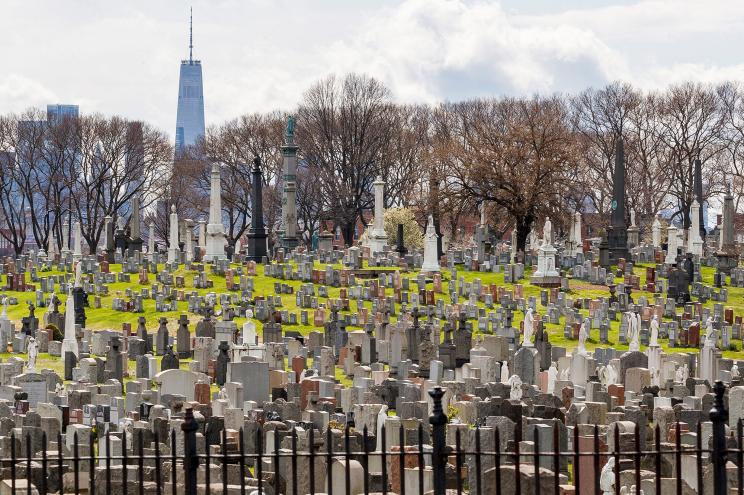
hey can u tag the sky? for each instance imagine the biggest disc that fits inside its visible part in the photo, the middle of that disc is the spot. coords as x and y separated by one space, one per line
258 55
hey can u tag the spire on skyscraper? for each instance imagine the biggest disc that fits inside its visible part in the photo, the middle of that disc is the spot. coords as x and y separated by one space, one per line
190 112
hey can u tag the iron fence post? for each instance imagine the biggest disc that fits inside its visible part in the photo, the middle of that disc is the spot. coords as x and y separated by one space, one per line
190 459
438 420
719 418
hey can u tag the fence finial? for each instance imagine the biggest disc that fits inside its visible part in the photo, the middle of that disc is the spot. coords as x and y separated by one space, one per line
719 418
438 420
191 460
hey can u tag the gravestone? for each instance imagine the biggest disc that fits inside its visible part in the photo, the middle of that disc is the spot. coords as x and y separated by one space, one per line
183 338
220 369
161 339
170 361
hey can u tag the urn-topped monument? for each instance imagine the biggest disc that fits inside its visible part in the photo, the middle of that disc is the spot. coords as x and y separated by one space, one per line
546 274
378 239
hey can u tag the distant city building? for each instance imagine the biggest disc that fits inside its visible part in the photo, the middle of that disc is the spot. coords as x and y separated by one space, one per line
190 113
55 113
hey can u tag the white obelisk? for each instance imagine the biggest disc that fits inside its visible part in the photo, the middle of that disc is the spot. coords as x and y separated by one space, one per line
215 229
173 251
69 343
78 246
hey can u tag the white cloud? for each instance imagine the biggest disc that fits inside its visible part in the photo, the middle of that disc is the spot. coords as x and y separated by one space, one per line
18 93
258 54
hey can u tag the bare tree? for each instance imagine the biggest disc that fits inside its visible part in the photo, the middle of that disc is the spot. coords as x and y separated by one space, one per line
233 146
515 153
600 117
344 132
12 204
118 160
691 125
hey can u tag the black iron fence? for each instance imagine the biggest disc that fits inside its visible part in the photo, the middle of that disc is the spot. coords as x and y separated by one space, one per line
315 464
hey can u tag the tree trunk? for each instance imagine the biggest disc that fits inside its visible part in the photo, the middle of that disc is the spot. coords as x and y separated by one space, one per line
438 230
347 230
524 225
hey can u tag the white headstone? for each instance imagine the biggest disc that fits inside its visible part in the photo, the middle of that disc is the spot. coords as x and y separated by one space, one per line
431 261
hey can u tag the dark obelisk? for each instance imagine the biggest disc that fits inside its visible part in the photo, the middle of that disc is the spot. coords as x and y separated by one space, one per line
699 195
257 248
617 233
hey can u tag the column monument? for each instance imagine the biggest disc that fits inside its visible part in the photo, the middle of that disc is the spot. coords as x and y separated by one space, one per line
173 251
377 237
257 248
215 229
288 237
151 240
135 243
78 242
727 255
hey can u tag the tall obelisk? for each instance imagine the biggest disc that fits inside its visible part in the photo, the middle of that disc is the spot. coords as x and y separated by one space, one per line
215 229
135 244
728 256
377 237
699 197
174 254
288 233
617 233
257 248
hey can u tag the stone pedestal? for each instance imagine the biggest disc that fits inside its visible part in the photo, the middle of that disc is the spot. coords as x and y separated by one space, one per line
546 274
215 243
527 364
727 261
579 369
654 363
707 369
672 246
325 241
633 237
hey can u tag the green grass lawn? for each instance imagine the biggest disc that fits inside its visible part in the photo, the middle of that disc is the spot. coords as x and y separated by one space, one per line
107 318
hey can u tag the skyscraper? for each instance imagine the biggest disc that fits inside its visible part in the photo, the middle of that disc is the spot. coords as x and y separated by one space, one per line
57 112
190 114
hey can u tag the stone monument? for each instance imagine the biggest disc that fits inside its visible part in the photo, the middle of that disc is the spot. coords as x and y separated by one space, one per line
70 343
656 233
257 238
215 229
77 252
377 239
546 274
174 254
727 255
633 232
431 262
288 233
694 241
617 234
135 241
